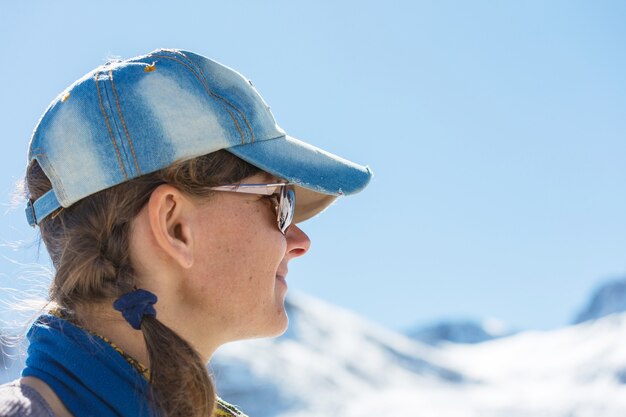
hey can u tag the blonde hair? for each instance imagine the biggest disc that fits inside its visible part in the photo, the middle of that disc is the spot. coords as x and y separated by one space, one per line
89 247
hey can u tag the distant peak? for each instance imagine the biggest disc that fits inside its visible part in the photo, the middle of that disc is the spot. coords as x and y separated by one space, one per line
608 298
460 331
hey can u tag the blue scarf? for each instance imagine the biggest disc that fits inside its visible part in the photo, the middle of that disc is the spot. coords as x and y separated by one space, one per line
87 374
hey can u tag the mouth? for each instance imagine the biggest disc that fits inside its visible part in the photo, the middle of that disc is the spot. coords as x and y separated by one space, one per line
281 276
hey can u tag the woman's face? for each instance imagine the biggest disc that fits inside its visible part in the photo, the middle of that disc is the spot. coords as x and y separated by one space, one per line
237 284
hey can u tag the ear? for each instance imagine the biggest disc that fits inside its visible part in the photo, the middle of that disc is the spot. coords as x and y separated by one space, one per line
170 214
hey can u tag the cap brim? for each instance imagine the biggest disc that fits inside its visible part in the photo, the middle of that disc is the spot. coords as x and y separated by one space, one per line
320 177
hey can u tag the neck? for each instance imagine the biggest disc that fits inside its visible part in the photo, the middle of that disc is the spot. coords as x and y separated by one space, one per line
106 322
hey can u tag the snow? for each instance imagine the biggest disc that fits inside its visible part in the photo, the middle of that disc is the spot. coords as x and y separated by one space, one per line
334 363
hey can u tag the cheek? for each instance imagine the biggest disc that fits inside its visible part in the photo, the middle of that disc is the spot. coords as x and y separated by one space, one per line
238 262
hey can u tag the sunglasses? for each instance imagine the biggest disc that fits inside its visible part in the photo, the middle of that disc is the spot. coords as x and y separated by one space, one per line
282 192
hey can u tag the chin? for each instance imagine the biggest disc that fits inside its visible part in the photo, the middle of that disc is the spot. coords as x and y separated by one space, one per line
281 325
277 327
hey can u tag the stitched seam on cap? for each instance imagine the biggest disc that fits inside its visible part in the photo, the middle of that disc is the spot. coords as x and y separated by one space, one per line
206 88
115 128
243 116
229 103
119 110
106 119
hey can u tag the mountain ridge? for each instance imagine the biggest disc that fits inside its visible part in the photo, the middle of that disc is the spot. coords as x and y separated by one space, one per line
355 368
608 298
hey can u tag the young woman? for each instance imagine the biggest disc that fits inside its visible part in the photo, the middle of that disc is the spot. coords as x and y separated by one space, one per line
165 194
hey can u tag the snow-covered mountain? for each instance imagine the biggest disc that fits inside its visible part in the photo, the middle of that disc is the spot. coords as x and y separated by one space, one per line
333 363
574 371
460 331
607 299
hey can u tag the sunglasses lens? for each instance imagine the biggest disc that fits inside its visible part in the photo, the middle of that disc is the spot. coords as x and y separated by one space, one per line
287 208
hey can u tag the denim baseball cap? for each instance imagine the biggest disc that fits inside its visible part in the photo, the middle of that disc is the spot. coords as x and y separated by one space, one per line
132 117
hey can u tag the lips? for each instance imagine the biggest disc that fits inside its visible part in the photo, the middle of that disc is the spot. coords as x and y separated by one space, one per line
281 282
282 273
281 276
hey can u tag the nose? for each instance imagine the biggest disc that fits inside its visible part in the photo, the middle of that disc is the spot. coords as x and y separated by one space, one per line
298 243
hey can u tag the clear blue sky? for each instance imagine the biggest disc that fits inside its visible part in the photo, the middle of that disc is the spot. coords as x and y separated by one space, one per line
496 130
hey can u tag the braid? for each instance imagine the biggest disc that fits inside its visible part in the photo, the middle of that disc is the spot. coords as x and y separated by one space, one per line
95 265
